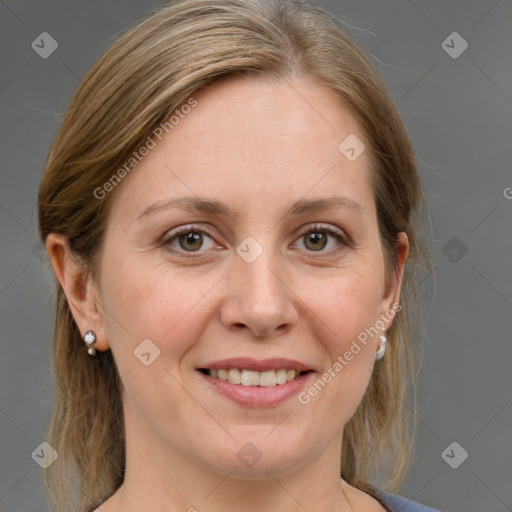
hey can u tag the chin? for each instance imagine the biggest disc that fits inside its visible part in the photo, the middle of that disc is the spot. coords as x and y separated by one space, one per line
254 453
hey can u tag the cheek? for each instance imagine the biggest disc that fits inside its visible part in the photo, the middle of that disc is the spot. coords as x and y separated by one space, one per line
143 301
349 305
348 309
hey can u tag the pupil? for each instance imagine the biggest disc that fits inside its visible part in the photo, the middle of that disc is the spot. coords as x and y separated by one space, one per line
193 239
315 238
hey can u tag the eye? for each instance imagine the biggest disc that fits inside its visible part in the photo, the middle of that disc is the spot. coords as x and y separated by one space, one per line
318 238
189 239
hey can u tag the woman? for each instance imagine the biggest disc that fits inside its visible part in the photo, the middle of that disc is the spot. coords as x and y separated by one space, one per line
229 209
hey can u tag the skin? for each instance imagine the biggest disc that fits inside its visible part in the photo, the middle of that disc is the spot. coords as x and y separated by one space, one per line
257 146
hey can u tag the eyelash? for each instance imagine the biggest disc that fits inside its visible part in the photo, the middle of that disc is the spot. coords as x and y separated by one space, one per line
169 237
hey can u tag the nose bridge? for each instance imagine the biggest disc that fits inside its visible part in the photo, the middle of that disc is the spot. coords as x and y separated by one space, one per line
261 286
258 296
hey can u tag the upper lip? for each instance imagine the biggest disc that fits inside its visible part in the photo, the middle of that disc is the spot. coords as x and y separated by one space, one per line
258 365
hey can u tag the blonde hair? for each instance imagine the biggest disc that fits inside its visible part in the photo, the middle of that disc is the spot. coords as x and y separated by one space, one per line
147 74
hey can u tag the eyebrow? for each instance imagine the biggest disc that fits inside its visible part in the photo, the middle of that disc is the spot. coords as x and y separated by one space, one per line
198 204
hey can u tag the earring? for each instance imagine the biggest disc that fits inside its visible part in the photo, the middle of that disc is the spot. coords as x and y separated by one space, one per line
382 349
90 340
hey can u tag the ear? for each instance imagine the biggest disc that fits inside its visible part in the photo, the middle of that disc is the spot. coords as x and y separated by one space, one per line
80 290
392 292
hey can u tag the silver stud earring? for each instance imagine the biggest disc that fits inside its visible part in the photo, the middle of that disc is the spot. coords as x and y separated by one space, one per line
382 349
90 340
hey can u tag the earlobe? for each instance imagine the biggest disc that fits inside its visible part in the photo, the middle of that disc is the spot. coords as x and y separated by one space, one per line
79 288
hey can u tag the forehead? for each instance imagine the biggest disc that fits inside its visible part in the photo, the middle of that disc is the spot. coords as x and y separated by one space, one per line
252 115
253 142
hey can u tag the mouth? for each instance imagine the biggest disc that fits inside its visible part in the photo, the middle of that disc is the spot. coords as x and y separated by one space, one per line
267 378
256 383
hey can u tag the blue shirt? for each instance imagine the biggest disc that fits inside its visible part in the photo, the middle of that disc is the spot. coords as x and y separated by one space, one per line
397 503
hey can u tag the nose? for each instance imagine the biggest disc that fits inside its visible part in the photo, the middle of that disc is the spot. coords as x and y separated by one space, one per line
259 299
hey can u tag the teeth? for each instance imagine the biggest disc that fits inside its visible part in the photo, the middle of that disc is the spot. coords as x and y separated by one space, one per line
267 378
290 375
250 378
281 377
234 376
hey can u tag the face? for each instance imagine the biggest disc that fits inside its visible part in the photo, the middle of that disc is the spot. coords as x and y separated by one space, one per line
245 240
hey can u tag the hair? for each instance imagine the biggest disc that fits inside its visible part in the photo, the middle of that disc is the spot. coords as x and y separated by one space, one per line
149 72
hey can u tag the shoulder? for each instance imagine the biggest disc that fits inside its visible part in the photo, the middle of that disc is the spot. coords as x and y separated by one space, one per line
400 504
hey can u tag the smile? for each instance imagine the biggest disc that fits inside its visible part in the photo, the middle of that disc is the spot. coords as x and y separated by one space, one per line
267 378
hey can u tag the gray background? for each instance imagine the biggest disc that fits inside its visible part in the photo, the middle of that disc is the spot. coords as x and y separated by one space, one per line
458 113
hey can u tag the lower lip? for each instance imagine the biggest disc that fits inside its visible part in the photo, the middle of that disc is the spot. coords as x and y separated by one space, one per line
258 396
